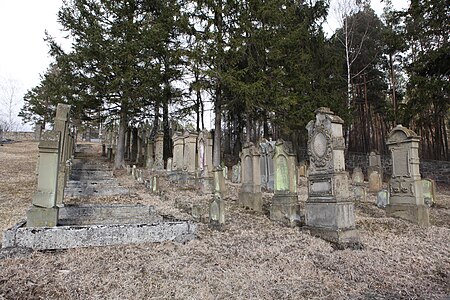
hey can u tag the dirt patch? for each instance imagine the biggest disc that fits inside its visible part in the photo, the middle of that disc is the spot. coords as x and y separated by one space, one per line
252 258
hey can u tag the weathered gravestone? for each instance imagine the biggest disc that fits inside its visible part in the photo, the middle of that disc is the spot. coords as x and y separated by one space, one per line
217 205
178 151
250 195
236 173
357 176
429 191
329 212
382 198
189 156
44 211
266 162
159 150
406 190
285 200
375 164
375 182
303 169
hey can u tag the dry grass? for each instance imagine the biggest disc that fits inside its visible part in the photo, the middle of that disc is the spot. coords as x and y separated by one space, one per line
252 258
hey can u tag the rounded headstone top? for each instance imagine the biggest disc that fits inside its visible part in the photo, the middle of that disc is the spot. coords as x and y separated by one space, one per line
324 110
400 134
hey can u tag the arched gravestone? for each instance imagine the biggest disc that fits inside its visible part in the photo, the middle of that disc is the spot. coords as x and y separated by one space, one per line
329 212
406 195
250 195
189 154
285 200
178 151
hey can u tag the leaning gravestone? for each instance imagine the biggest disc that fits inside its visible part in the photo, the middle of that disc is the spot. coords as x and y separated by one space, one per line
250 195
406 190
429 191
382 198
285 200
329 212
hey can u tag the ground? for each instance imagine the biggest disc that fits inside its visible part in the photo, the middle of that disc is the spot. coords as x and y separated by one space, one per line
251 258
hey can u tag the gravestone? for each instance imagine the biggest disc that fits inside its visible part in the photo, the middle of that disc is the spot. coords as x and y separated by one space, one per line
285 200
169 164
225 172
217 205
429 192
267 168
250 195
357 176
405 186
44 211
159 150
189 155
236 173
375 164
329 211
375 182
360 192
178 151
37 131
62 125
204 148
382 198
303 169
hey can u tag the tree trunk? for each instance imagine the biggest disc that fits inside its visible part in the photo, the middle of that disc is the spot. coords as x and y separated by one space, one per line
119 160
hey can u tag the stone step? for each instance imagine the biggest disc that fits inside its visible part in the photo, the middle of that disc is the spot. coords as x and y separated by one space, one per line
100 214
95 191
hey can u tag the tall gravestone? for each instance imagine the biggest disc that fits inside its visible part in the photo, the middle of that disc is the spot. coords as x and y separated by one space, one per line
329 212
44 211
406 195
250 195
267 168
159 150
204 161
189 154
150 153
178 151
62 125
285 200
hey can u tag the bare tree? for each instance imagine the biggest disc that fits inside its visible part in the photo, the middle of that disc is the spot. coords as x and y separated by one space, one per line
9 104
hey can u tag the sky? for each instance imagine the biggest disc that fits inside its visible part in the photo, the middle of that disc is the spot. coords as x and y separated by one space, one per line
24 53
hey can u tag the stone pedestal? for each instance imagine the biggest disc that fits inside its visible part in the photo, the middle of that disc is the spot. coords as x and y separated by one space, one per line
406 191
44 210
329 211
285 200
250 195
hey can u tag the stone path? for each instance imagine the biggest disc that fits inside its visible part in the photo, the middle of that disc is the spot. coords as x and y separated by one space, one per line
91 175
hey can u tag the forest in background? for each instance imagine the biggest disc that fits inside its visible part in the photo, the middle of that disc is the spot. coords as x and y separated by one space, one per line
262 66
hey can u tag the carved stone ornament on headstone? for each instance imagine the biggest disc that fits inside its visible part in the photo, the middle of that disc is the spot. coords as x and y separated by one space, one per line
405 186
329 211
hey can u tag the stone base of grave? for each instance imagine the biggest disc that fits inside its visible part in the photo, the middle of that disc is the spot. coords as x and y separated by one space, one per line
418 214
284 209
338 236
100 225
251 200
334 222
42 217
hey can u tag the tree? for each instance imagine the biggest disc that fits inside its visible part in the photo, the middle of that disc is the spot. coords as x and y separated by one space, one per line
9 101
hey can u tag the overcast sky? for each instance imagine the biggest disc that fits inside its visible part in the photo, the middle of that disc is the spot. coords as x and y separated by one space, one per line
23 52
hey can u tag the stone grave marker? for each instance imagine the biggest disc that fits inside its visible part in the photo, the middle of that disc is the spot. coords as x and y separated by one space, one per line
375 182
405 186
44 211
150 160
285 200
236 173
382 198
429 191
375 164
178 151
250 195
159 149
357 176
329 211
189 155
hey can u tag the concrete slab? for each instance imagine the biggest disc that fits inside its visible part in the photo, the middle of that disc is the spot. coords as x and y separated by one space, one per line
100 225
